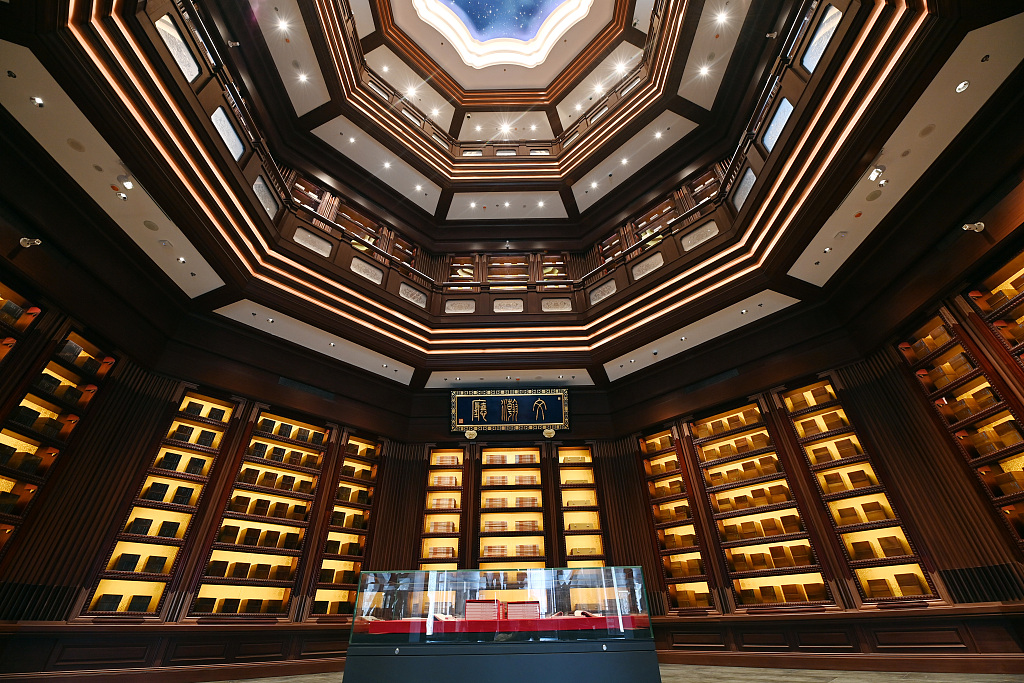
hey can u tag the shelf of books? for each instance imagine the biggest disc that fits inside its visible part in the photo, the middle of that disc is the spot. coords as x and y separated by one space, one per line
440 544
984 425
877 546
260 537
145 553
582 532
343 553
16 316
768 552
682 560
999 300
512 509
39 427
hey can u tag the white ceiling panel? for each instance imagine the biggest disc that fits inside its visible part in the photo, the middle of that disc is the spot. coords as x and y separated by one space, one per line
281 24
509 379
379 162
656 137
484 206
727 320
505 125
67 136
930 126
606 75
363 16
402 78
713 45
313 338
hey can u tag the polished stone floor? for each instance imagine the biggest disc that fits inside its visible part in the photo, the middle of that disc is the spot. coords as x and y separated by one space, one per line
676 673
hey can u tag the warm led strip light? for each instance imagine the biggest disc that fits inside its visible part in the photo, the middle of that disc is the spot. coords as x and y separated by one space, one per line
862 38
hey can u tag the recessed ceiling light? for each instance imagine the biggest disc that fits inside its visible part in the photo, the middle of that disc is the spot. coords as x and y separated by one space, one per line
270 320
387 164
722 17
631 360
332 343
578 106
384 365
181 259
533 126
743 311
385 68
682 339
125 181
598 89
37 101
472 205
828 249
303 78
561 376
282 24
704 70
435 112
593 185
540 204
963 85
620 68
625 161
657 135
508 376
351 140
419 188
505 128
883 182
478 129
506 205
457 378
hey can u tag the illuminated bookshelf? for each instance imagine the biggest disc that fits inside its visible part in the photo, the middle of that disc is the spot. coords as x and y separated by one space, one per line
37 429
16 316
682 559
768 553
511 511
582 531
441 531
260 538
999 300
878 549
146 552
341 561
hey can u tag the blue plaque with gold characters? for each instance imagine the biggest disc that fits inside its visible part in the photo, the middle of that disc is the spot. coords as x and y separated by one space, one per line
509 410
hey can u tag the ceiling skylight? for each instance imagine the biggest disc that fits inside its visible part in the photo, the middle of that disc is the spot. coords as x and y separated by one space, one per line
490 32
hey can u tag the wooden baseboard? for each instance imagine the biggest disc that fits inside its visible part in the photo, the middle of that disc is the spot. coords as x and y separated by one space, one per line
961 663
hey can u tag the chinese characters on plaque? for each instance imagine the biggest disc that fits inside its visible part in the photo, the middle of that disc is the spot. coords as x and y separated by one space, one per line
510 409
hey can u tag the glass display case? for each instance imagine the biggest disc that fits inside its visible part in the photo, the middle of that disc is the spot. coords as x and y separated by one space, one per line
592 621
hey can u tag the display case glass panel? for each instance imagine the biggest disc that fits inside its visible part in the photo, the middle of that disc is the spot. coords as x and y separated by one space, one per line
471 606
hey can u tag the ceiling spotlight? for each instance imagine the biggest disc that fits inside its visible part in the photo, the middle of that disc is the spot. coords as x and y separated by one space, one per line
122 196
270 320
332 343
561 376
411 93
282 24
387 164
578 106
620 68
598 89
972 227
435 112
743 311
457 379
632 360
384 365
963 85
625 161
125 181
533 126
472 205
419 188
506 205
181 259
478 129
657 135
385 68
876 172
593 185
704 70
303 78
37 101
505 128
883 182
508 376
828 249
29 242
351 140
722 17
540 204
682 339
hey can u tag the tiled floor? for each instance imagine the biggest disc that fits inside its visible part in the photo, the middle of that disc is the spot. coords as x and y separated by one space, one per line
676 673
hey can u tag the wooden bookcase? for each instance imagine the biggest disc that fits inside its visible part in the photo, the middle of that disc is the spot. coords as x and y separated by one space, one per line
879 551
158 527
443 514
583 542
769 555
976 408
38 427
511 525
999 300
684 558
342 556
16 316
253 563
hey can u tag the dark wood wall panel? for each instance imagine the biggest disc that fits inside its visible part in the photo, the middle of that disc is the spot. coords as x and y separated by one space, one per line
52 558
401 490
631 540
937 491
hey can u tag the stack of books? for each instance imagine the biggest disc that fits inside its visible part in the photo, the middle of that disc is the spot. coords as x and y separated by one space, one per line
493 527
527 550
526 609
483 609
